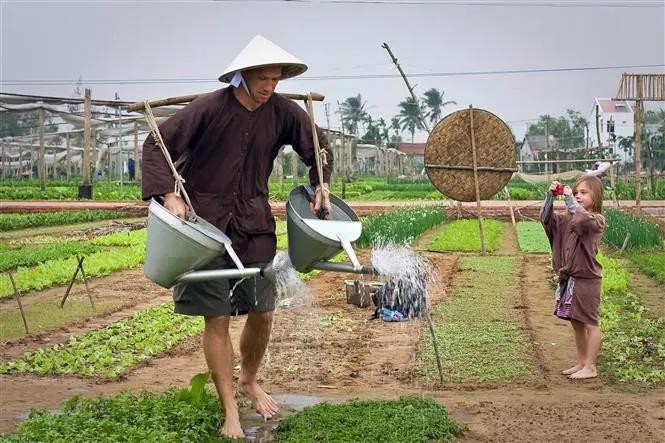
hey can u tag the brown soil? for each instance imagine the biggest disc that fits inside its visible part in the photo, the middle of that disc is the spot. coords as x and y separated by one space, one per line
332 350
652 293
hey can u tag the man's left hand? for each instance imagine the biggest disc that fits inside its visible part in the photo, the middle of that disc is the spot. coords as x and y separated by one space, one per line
321 206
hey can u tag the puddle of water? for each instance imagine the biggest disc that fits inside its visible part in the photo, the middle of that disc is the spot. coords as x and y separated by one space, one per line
258 429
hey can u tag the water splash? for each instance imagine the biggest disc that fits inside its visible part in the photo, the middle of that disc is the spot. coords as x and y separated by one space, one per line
406 276
290 289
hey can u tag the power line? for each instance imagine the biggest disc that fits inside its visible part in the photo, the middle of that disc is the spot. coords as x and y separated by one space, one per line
54 82
501 3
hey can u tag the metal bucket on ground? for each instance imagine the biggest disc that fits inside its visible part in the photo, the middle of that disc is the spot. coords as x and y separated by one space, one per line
175 247
312 242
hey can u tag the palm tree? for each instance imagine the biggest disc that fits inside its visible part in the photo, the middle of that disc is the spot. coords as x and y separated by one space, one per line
409 115
395 125
353 112
434 101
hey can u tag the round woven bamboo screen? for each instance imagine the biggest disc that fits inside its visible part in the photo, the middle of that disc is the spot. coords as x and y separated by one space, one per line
449 155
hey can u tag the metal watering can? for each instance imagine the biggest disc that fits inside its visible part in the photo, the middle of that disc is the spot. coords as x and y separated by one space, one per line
176 248
313 241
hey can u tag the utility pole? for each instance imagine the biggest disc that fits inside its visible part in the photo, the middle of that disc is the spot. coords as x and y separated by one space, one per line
409 87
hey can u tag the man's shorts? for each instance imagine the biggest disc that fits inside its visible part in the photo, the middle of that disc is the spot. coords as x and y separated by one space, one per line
212 298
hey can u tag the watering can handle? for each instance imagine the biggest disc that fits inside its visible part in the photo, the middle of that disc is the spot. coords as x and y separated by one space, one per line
310 194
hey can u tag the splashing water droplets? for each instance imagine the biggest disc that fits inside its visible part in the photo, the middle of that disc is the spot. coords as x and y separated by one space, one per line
406 276
290 289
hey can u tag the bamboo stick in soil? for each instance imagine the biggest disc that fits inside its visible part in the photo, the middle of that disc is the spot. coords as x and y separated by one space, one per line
475 180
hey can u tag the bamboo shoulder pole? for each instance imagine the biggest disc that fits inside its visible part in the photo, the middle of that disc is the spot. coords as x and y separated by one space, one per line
475 180
139 106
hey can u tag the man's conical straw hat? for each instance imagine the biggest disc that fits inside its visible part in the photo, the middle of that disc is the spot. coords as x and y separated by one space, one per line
261 52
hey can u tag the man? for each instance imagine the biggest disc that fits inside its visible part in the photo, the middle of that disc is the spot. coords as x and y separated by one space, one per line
224 143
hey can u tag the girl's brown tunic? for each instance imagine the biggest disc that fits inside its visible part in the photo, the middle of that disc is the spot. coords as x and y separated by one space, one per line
574 239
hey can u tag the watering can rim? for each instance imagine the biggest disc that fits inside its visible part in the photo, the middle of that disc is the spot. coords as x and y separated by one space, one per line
201 225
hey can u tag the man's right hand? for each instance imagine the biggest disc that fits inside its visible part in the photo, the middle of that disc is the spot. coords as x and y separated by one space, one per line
176 205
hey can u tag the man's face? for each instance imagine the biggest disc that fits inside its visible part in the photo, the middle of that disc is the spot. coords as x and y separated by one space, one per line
262 82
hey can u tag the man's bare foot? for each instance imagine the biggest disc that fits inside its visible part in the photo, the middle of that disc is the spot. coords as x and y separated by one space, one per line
261 401
583 374
572 370
232 429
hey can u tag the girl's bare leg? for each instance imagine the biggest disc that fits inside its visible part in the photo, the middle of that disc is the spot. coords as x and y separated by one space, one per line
592 348
581 341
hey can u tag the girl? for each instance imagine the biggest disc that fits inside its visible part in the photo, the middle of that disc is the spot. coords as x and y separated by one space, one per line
574 236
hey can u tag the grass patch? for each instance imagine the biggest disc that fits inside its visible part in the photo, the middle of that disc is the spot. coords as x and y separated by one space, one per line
531 238
59 272
651 264
46 315
10 222
31 256
411 419
464 235
479 337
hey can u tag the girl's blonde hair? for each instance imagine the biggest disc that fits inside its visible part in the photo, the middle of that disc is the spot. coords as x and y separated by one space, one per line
596 188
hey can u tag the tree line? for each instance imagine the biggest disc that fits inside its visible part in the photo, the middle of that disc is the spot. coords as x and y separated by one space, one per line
358 121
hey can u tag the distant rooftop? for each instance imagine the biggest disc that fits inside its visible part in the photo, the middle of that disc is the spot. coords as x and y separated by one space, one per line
412 148
614 106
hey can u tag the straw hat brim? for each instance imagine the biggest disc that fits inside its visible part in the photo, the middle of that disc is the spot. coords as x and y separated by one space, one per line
289 70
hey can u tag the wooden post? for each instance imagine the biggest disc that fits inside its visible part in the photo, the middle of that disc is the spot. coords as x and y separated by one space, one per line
294 168
613 185
20 162
55 164
475 180
41 162
510 206
69 157
137 164
3 160
600 145
87 143
638 139
17 296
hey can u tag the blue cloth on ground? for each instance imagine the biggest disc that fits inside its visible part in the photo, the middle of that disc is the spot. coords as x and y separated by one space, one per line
390 315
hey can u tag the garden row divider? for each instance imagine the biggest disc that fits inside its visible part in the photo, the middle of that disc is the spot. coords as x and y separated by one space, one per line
17 296
79 266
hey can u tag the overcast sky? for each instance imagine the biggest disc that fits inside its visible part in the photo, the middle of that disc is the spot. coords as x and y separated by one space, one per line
140 49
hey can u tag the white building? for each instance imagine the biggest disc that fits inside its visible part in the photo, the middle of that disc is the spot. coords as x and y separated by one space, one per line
615 119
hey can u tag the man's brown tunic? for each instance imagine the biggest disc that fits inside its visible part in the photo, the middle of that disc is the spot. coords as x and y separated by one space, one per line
227 155
574 239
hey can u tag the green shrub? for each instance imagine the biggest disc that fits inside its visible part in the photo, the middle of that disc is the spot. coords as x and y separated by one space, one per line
400 226
125 417
643 232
